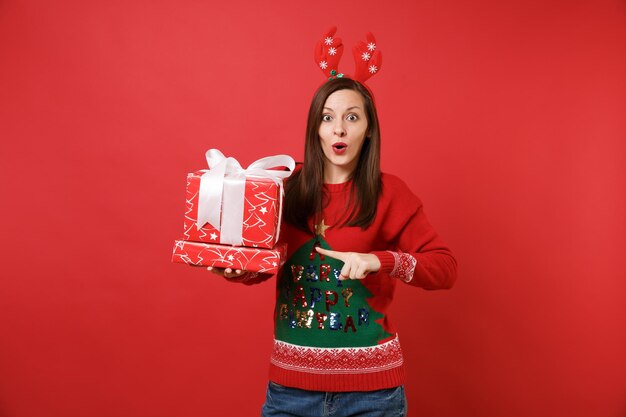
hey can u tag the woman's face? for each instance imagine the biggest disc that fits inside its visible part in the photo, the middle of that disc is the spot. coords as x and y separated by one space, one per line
342 132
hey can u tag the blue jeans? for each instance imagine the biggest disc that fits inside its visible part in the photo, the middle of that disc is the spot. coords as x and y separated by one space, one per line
283 401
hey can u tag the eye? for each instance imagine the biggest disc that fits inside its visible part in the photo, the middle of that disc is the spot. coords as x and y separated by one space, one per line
352 117
326 118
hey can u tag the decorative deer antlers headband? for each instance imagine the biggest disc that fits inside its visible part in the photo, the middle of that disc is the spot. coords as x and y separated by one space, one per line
367 57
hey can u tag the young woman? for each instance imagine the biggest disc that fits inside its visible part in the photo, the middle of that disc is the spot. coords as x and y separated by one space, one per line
353 234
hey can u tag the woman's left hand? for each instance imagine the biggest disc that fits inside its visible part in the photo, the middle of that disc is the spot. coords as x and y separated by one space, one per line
355 265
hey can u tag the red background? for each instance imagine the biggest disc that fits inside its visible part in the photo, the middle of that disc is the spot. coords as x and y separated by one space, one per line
506 118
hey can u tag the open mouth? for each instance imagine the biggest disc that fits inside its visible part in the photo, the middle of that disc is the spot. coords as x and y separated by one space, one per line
339 148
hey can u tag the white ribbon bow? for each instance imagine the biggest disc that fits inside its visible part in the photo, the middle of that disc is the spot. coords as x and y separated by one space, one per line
222 190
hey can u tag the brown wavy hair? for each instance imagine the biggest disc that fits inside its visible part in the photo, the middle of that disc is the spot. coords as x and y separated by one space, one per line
304 196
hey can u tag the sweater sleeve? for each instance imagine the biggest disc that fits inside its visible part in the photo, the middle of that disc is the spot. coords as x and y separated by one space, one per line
419 256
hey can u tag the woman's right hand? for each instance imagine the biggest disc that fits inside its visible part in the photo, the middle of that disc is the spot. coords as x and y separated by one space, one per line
227 273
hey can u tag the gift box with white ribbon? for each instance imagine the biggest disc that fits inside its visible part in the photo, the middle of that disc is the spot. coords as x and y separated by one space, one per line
230 205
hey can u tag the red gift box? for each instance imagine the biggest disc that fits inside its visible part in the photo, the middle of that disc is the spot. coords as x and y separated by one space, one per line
260 213
235 257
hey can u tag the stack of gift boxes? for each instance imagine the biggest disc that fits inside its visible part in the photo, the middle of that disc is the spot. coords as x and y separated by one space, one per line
232 217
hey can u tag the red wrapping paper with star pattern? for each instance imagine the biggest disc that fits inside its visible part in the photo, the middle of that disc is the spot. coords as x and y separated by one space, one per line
235 257
260 218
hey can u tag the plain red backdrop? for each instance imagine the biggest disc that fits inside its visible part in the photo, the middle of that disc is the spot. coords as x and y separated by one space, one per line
506 118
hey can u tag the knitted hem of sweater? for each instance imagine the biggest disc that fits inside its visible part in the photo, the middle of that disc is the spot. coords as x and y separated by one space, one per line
390 378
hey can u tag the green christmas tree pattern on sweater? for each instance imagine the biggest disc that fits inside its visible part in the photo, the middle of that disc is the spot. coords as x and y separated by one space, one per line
317 309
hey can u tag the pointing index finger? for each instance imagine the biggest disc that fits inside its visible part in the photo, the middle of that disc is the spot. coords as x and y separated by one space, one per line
333 254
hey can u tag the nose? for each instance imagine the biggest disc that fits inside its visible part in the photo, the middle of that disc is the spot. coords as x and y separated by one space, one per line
339 130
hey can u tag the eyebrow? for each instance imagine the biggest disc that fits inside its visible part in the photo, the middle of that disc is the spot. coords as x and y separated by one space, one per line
349 108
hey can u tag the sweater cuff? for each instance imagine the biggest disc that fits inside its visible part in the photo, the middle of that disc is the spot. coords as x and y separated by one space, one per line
387 261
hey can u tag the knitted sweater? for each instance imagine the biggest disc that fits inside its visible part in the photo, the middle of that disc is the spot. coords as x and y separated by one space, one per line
335 335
